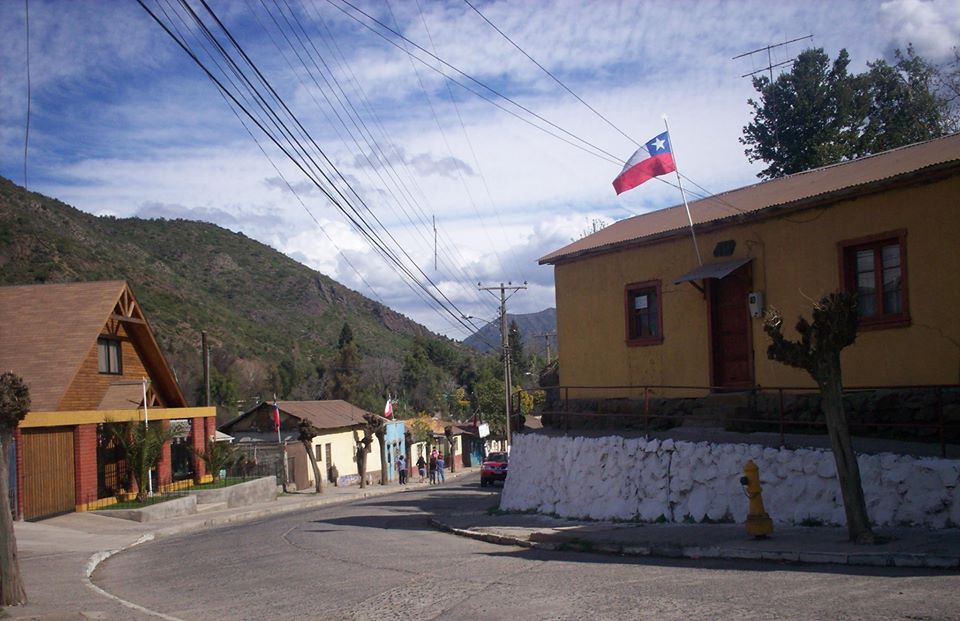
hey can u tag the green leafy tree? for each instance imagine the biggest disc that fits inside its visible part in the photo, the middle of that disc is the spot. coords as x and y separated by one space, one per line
422 382
488 399
904 105
834 327
421 431
818 113
14 405
519 364
141 445
806 118
342 376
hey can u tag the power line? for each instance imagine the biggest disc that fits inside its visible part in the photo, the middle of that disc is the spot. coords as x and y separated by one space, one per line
547 71
333 193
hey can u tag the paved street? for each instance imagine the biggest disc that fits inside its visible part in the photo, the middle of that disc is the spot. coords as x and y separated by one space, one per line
378 559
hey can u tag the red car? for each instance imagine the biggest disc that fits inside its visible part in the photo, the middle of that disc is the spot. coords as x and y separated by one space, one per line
493 468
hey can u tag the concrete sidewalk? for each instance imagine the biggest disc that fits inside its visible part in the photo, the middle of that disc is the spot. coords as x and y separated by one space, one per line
901 547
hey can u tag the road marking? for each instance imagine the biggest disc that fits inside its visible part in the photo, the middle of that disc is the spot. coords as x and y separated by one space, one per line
103 555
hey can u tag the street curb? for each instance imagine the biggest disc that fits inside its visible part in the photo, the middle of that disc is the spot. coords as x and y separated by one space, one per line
573 544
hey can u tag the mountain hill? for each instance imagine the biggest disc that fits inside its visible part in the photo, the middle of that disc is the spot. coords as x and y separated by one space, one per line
487 338
272 323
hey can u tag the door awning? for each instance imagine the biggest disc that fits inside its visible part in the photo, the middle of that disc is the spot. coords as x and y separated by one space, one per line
713 270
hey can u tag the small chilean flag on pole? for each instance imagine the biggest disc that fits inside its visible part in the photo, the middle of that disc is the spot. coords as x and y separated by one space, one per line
388 408
651 160
276 417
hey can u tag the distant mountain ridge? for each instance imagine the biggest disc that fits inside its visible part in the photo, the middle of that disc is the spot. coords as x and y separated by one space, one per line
270 320
487 338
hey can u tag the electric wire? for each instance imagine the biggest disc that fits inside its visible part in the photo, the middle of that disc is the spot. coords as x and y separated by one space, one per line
473 153
26 133
356 119
446 143
304 166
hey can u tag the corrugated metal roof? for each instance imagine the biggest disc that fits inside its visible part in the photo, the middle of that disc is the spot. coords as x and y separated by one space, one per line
713 270
750 200
329 414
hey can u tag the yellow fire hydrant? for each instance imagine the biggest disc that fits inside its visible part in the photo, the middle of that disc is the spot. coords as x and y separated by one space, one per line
759 523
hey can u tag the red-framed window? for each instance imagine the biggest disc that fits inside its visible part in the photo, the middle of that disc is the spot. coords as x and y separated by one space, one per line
644 314
876 268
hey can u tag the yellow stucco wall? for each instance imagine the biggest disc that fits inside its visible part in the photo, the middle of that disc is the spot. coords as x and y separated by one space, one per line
342 451
796 260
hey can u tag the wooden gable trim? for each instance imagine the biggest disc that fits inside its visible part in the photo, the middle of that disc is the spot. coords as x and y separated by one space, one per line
128 312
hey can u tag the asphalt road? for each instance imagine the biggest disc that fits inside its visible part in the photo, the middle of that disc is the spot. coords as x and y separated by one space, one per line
379 559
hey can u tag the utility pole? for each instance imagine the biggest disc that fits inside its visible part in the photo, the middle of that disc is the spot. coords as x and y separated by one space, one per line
504 338
206 367
546 342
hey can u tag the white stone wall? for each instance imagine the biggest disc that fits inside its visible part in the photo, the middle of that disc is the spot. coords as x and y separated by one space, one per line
639 479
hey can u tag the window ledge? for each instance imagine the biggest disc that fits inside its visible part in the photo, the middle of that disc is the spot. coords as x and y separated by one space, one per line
884 322
653 340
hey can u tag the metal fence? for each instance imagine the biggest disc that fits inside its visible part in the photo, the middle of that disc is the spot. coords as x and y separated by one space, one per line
928 413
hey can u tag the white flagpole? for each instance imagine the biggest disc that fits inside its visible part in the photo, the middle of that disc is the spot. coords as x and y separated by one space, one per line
146 425
286 471
676 166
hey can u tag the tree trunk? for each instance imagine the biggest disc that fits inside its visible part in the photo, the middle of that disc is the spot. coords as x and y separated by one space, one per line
381 438
453 455
308 447
362 464
848 470
11 584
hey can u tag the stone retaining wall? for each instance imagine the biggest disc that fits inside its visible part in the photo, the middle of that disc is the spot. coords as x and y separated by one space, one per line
649 480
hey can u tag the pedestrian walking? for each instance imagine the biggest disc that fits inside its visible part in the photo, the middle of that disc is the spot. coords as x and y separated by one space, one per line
402 469
421 467
433 468
440 462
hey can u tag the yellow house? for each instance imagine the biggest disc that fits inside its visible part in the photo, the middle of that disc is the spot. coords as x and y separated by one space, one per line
636 308
334 447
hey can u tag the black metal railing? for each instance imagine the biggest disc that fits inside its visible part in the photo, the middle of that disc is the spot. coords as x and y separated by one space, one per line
925 413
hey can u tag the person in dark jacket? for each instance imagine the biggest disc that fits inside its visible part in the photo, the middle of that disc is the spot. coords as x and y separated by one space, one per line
433 468
421 468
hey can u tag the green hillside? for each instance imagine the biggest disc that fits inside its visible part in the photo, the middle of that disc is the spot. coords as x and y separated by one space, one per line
272 323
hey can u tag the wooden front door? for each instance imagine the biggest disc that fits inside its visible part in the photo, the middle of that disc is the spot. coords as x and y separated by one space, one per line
731 346
48 472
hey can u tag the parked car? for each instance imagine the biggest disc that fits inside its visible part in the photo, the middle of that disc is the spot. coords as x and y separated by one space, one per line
493 468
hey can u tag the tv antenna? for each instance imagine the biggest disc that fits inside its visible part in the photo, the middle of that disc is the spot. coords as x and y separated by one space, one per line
770 64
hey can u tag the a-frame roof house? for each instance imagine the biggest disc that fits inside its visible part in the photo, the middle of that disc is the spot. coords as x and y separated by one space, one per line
48 332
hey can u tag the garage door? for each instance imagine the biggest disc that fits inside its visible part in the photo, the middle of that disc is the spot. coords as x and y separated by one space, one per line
48 482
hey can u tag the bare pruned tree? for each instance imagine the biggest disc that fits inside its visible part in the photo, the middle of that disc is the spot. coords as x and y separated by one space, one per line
834 326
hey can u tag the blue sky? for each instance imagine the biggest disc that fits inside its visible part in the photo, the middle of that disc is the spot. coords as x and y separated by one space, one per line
123 123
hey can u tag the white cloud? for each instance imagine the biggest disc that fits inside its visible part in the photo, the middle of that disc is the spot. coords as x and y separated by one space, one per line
932 26
125 124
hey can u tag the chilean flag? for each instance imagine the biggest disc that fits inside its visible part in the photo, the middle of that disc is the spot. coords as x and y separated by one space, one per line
652 160
276 417
388 409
